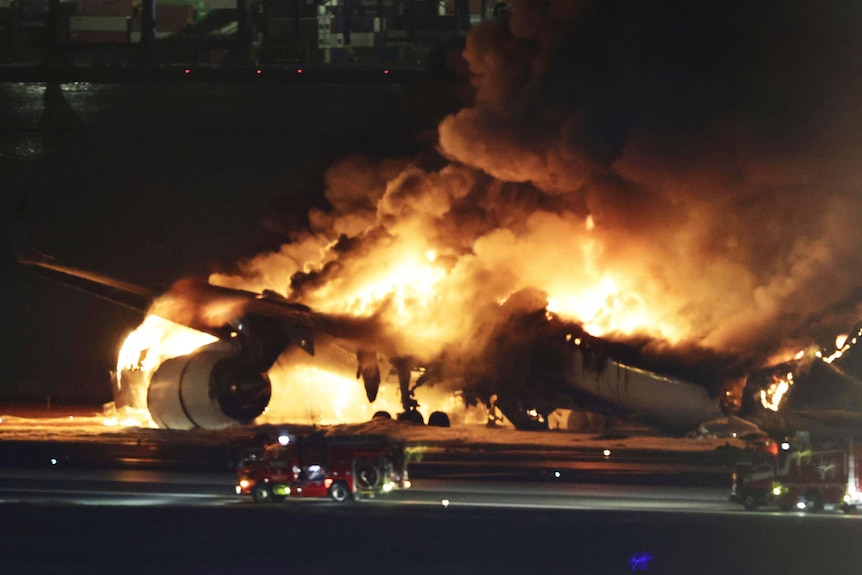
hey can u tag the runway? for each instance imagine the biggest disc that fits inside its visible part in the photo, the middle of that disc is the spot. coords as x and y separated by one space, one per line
143 487
87 521
154 502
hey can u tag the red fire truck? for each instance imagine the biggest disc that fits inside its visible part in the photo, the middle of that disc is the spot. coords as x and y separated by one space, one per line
801 476
342 468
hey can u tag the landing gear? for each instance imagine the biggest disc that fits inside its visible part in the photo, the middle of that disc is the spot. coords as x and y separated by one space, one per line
525 418
438 419
412 416
404 368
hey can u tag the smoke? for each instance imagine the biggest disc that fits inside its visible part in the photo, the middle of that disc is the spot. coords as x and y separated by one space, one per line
678 174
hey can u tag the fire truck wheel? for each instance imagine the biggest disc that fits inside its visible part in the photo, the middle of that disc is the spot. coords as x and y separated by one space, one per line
260 494
750 502
815 504
381 415
366 475
339 492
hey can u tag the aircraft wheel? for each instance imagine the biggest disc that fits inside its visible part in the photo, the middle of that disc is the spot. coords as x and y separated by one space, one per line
438 419
260 494
339 492
411 416
750 503
381 415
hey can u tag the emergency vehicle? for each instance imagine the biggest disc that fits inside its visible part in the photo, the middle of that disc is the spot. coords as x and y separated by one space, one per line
341 468
801 476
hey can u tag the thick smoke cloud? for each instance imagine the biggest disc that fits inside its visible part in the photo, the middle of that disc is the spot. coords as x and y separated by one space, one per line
710 143
677 171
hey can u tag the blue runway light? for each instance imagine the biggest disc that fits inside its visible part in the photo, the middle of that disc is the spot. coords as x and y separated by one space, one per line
640 561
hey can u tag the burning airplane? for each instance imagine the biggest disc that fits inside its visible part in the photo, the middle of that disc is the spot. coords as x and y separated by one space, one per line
677 182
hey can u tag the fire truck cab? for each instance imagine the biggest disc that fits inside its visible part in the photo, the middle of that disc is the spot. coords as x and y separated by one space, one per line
341 468
801 476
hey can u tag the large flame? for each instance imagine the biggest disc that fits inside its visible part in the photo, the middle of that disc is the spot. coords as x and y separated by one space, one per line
141 353
659 201
771 397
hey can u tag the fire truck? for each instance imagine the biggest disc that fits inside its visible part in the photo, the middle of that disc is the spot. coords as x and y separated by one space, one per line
801 476
341 468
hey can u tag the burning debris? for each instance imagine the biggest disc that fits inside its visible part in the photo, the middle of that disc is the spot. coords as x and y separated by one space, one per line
675 177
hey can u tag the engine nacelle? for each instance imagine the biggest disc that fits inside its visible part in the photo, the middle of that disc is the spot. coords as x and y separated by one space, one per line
209 389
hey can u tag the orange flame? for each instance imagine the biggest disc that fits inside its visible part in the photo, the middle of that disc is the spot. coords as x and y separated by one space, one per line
771 397
141 353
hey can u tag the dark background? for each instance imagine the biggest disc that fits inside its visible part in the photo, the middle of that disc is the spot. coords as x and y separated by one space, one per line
151 182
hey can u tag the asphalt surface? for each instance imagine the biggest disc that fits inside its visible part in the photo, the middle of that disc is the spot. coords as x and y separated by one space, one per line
620 466
137 505
113 521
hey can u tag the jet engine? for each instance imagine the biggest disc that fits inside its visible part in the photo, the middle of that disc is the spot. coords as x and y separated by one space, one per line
212 388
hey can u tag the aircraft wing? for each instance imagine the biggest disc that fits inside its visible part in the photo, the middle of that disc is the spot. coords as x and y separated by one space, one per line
226 382
132 296
219 311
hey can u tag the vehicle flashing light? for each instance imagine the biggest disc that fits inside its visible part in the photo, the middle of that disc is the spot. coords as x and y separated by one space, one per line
283 439
327 482
244 483
606 452
445 503
53 461
785 446
800 505
557 474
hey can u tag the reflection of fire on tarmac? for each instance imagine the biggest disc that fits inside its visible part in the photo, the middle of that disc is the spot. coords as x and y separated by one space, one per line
89 425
